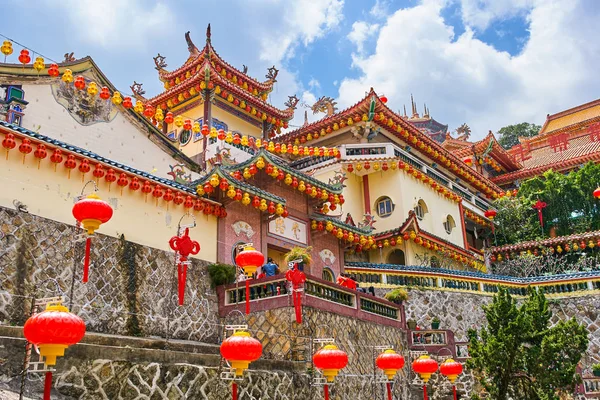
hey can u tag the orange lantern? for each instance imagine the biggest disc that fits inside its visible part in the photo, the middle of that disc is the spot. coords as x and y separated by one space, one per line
390 362
451 369
91 212
330 360
240 349
424 366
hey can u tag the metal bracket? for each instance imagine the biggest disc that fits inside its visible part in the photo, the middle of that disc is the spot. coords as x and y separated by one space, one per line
390 347
236 327
229 375
39 367
58 300
320 381
324 340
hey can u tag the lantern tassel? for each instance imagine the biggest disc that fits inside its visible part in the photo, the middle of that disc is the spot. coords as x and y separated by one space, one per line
23 158
389 390
181 274
454 391
247 296
326 391
39 162
86 259
234 391
298 306
7 154
47 385
425 392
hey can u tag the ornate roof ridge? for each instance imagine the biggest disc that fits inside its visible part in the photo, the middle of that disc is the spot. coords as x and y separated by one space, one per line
545 242
551 117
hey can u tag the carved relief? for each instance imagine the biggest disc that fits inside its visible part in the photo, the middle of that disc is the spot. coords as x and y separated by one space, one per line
85 109
240 227
327 254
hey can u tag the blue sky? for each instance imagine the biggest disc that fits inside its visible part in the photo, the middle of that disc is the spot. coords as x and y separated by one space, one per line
483 62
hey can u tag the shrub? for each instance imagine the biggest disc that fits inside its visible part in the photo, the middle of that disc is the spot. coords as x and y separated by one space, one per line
397 295
221 274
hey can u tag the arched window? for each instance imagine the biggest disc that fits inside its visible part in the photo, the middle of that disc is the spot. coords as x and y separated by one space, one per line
184 137
327 274
449 224
396 257
384 206
421 209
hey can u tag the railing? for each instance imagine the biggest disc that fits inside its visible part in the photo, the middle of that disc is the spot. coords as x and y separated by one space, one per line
274 292
388 275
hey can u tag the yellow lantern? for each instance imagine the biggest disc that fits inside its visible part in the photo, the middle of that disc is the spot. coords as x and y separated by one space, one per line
263 205
39 65
231 192
139 106
213 133
295 150
244 140
339 234
324 195
301 186
246 199
313 225
229 138
279 209
247 174
260 163
200 190
230 98
313 192
92 90
350 237
350 121
358 166
158 115
283 149
325 208
306 150
288 179
196 128
67 76
117 99
214 180
178 121
328 226
6 48
362 241
258 143
271 146
376 166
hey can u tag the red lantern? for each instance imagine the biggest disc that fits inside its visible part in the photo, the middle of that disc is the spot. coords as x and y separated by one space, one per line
91 212
223 185
168 196
53 330
221 134
79 82
25 147
330 360
184 246
390 362
127 103
148 111
169 117
491 214
383 99
187 125
40 153
104 93
84 168
271 208
99 171
249 260
199 205
205 130
240 349
451 369
9 143
146 188
110 177
157 193
297 279
24 57
597 193
189 202
255 202
367 165
424 366
53 71
135 184
70 163
178 199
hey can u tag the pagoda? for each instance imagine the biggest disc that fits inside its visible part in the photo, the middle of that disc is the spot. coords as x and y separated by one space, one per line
208 90
426 123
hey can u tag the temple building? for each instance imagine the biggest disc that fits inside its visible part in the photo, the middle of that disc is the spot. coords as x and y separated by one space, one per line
362 186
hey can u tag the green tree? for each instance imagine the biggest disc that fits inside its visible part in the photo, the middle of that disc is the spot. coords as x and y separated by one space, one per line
509 135
519 356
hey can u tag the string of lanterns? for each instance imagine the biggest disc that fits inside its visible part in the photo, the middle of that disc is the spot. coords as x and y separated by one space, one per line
479 220
364 241
408 169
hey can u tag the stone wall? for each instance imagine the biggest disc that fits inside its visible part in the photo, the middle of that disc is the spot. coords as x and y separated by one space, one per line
131 290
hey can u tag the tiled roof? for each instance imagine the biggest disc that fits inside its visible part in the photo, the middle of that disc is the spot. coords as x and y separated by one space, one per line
570 117
470 274
94 156
280 163
546 242
497 152
223 173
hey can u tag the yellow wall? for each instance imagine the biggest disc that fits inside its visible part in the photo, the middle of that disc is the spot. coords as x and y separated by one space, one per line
191 148
51 195
353 193
405 191
234 123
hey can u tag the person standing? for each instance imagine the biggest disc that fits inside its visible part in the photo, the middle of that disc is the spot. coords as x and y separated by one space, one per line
270 269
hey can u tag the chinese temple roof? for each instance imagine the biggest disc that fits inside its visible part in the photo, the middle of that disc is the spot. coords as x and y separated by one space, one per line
550 242
371 105
87 65
571 118
205 68
496 151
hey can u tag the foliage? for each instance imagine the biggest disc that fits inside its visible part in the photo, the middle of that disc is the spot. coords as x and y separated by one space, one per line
221 274
509 135
571 206
529 264
596 367
299 252
397 295
519 356
435 320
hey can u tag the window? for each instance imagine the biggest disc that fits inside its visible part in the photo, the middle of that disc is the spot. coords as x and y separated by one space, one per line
421 209
327 275
184 137
384 207
396 257
449 224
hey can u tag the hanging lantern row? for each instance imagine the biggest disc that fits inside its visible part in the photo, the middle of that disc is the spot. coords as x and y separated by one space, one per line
342 234
538 250
100 171
425 366
287 178
492 163
230 74
479 220
509 193
407 168
236 194
411 138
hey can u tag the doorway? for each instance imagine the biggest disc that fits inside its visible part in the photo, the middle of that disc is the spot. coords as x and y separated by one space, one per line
278 258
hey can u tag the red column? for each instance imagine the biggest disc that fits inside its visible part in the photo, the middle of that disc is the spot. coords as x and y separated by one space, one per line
47 385
367 197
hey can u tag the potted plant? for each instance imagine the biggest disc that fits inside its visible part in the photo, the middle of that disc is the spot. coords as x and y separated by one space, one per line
397 295
435 323
596 369
297 253
412 324
221 274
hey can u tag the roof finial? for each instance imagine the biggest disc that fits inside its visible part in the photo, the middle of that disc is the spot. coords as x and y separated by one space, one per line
208 33
305 118
405 116
415 114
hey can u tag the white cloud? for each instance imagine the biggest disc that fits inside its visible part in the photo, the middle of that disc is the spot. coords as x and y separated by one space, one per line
466 80
360 32
380 9
480 13
314 84
302 21
116 23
